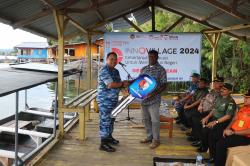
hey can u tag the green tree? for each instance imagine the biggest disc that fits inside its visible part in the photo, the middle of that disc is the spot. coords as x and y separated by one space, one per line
233 55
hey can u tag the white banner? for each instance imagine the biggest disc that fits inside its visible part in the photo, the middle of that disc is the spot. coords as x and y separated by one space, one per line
179 53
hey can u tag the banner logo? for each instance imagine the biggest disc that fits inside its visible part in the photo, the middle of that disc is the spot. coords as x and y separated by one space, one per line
119 54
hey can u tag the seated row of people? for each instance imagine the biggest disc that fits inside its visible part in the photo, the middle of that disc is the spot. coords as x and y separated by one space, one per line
237 133
209 115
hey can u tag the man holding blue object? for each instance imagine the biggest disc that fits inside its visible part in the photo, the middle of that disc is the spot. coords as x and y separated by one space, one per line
109 85
151 104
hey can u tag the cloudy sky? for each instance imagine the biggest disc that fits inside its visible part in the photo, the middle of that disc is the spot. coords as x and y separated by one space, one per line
10 37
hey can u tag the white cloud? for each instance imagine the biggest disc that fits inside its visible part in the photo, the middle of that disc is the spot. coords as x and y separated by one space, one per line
10 37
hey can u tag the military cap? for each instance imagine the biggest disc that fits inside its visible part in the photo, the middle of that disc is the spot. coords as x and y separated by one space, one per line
195 75
218 79
247 94
228 86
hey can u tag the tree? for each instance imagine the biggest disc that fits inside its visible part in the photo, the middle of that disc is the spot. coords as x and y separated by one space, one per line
233 56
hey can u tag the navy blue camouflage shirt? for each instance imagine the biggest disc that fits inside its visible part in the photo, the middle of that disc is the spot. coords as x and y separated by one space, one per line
192 88
159 74
106 76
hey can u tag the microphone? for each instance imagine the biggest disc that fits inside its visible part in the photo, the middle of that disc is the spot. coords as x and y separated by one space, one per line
121 64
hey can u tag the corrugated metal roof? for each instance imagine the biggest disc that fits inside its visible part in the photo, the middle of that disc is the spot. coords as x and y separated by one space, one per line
119 7
32 45
142 16
199 9
120 24
17 13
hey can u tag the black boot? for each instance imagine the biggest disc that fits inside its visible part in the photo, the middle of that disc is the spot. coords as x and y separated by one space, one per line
105 146
113 141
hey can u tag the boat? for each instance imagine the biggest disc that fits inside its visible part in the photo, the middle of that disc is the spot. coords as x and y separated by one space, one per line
26 132
35 126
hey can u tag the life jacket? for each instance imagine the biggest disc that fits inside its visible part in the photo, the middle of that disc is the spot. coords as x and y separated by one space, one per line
242 121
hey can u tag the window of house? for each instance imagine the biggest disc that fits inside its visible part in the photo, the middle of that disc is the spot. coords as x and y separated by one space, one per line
70 51
39 52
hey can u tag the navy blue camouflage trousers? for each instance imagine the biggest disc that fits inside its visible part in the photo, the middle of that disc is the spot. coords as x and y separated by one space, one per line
106 122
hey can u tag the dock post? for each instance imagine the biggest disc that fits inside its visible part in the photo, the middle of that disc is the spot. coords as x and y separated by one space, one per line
59 19
82 124
89 77
213 39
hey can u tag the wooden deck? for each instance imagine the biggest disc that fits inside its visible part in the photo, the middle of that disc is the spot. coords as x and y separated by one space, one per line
72 152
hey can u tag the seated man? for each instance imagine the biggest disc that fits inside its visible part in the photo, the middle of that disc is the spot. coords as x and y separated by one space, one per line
191 108
180 101
236 134
205 107
218 119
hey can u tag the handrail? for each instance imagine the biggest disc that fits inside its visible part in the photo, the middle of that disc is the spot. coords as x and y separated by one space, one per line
77 97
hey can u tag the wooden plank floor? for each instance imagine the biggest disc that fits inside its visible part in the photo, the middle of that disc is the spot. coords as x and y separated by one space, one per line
73 152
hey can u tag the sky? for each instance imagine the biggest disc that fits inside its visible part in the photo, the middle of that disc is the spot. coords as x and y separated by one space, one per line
10 37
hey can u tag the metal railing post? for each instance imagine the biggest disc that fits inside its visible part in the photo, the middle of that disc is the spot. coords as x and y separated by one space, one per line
16 129
55 109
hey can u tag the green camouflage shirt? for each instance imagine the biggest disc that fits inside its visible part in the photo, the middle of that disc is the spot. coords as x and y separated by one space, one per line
224 106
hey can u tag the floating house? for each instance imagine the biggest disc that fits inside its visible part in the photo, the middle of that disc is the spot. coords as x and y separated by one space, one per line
78 50
34 51
41 51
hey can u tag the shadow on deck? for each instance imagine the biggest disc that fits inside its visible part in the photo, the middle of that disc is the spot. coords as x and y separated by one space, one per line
72 152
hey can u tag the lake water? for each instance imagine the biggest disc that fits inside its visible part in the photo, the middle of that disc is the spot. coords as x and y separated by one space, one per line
42 95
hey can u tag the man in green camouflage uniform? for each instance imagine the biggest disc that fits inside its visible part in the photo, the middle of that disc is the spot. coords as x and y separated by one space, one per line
218 119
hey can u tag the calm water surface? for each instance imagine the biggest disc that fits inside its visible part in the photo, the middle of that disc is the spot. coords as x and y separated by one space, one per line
42 95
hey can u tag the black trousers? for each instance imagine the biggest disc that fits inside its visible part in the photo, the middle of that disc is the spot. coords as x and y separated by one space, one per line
181 115
211 136
197 125
224 143
189 114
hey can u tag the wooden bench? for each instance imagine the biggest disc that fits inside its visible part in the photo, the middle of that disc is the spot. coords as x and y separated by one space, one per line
167 123
78 105
7 157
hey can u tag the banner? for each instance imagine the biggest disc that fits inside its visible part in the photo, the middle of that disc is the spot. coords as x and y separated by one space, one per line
179 53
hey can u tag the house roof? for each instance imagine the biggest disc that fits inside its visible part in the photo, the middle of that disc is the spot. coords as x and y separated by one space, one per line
83 15
32 45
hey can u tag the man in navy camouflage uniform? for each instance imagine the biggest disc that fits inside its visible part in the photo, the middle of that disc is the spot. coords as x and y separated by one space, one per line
109 84
151 105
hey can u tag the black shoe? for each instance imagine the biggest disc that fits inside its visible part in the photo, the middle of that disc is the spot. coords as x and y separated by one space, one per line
191 139
196 144
183 128
107 148
202 149
113 141
178 121
211 160
177 118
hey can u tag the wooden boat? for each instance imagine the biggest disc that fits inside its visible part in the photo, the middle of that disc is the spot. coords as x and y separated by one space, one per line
35 126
